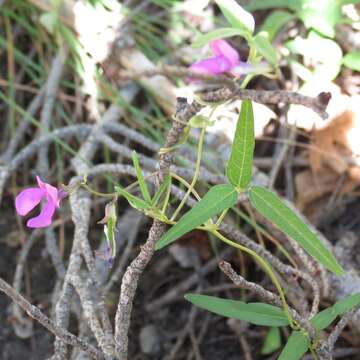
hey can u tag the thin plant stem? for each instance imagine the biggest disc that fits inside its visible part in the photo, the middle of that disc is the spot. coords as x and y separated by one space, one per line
196 174
221 217
97 193
185 183
266 234
129 187
263 263
313 352
167 198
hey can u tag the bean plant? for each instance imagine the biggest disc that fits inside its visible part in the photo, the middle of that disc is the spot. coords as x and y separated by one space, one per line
210 210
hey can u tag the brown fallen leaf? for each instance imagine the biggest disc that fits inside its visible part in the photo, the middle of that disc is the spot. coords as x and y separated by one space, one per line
334 155
330 146
312 186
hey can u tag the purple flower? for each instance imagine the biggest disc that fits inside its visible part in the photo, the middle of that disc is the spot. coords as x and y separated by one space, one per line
29 198
226 59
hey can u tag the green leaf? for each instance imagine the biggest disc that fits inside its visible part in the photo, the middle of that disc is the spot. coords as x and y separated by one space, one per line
143 187
217 199
265 48
346 2
347 303
165 184
321 16
270 4
271 207
272 341
296 346
239 167
221 33
275 21
324 318
134 201
236 15
254 313
352 60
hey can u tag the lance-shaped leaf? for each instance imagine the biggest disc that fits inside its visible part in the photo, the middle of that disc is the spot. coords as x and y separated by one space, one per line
143 187
272 208
236 15
133 200
221 33
324 318
265 48
254 313
296 346
270 4
164 186
217 199
239 167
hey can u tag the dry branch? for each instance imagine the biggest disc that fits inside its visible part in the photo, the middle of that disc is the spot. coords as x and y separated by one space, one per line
184 112
317 104
267 295
326 348
39 316
232 90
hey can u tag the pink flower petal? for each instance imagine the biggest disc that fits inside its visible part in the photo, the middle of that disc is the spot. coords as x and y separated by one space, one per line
51 191
28 199
223 48
44 218
212 66
41 184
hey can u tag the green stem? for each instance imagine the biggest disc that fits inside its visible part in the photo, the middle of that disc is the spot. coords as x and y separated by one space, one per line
194 192
265 233
264 265
313 352
245 82
186 184
167 198
221 217
196 174
129 187
97 193
248 77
